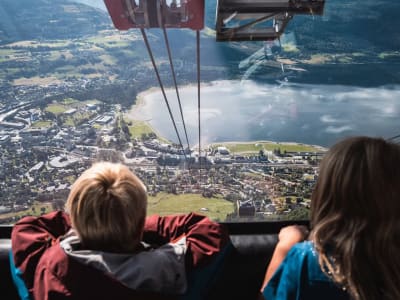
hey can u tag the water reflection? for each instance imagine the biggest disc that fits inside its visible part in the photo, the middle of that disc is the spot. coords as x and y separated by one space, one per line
313 114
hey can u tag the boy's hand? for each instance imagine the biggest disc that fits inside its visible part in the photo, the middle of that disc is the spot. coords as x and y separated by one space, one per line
290 235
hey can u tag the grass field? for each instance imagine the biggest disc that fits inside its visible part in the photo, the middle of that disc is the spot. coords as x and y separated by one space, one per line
6 54
255 147
108 42
57 108
140 127
164 204
68 103
108 59
35 210
42 124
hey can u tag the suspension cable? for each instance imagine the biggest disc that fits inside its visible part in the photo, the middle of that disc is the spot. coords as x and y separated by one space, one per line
198 90
176 85
162 88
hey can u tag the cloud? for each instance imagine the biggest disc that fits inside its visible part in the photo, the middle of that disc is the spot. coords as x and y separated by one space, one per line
317 114
330 119
341 129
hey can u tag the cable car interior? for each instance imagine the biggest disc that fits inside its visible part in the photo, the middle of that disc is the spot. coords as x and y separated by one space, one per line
222 107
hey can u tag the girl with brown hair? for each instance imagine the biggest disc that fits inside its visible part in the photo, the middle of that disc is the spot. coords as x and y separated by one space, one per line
352 250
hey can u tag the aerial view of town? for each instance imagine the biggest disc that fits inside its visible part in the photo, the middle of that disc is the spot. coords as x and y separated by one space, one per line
69 82
43 150
63 106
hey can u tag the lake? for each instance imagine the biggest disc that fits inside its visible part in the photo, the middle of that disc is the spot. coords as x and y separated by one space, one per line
246 111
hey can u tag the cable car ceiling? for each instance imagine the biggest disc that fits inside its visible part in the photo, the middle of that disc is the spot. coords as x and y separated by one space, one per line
236 20
127 14
258 20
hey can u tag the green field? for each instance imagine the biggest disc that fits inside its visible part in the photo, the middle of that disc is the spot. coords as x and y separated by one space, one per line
255 147
42 124
166 204
34 210
56 108
6 54
65 71
107 42
68 103
108 59
140 127
53 44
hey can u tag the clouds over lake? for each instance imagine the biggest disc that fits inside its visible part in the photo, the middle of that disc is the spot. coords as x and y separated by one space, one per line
315 114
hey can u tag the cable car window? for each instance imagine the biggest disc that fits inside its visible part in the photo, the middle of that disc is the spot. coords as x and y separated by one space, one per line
223 108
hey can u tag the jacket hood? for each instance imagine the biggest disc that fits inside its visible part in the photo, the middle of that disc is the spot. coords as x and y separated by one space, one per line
157 270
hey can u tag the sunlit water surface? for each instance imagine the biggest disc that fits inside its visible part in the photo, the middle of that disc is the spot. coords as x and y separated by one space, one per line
246 111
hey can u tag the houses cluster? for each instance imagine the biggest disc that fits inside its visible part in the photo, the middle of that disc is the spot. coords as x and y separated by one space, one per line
254 187
41 163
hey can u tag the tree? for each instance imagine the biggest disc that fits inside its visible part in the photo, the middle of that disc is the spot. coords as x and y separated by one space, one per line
277 152
299 213
58 204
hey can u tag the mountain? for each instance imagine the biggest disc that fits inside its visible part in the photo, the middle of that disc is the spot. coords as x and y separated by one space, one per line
352 43
94 3
48 19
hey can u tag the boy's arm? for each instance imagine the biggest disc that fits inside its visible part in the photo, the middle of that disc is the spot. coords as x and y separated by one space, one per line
53 291
31 236
288 237
204 237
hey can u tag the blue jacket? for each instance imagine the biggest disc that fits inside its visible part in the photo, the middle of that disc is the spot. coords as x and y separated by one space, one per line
300 277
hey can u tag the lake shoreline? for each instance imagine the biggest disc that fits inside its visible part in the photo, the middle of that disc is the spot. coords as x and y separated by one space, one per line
133 114
247 112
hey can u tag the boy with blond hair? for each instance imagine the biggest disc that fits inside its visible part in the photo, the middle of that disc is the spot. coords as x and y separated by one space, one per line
100 248
107 206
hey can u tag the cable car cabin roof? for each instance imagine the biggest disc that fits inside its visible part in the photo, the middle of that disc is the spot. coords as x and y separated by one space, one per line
254 20
127 14
237 20
271 6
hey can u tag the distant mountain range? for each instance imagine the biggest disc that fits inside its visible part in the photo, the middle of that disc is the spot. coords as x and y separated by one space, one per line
48 19
358 35
348 25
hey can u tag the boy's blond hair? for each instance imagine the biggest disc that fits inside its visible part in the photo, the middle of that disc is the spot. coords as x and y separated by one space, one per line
107 205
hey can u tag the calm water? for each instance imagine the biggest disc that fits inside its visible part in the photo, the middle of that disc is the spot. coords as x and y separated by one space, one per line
312 114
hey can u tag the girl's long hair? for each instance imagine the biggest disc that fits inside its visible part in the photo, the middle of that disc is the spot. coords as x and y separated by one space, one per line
355 216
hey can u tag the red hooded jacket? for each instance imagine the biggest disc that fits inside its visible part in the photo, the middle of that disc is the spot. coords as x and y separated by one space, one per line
46 266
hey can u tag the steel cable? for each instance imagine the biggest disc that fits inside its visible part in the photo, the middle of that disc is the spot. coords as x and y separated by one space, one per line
175 83
198 90
162 88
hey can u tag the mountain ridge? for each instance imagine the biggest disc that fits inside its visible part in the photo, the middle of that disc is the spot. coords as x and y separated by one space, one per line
357 37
